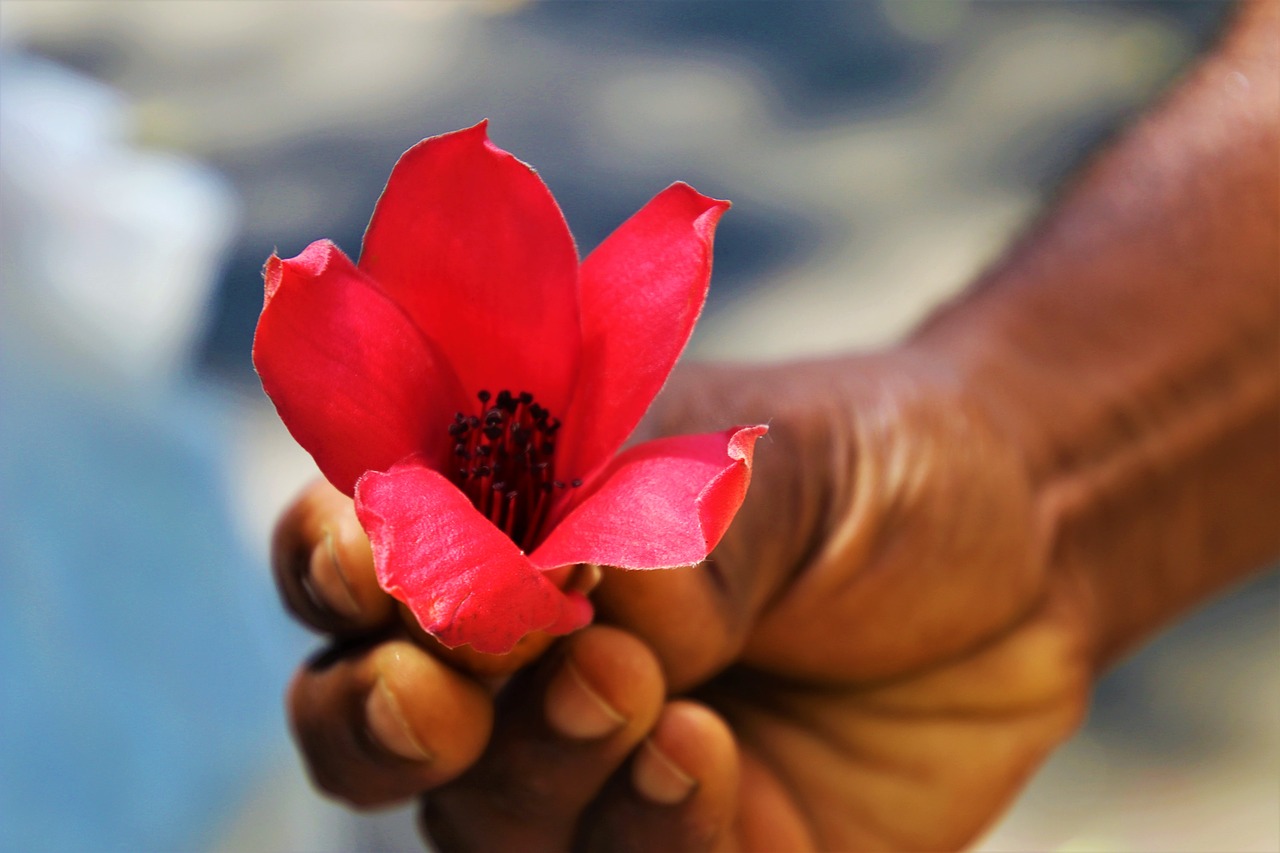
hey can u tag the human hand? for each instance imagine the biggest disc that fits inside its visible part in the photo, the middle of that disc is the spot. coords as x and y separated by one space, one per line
875 657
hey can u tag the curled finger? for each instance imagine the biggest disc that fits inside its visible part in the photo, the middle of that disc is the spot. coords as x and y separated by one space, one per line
680 792
323 565
382 723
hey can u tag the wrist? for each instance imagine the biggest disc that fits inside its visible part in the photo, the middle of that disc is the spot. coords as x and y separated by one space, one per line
1153 488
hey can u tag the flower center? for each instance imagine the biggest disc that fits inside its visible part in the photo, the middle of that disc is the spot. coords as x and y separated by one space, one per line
505 459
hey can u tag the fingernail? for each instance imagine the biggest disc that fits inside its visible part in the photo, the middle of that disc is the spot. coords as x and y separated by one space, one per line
584 578
327 574
388 726
577 711
658 778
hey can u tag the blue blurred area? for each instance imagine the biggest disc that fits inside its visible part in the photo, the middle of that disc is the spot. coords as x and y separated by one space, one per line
142 650
141 646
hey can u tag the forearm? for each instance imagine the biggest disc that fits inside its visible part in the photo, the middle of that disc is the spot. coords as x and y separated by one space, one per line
1130 345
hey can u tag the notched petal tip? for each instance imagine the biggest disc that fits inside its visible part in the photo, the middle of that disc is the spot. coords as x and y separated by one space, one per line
719 501
743 441
272 271
704 210
309 263
701 198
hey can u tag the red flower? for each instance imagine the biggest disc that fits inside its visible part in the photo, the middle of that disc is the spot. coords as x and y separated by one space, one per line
469 384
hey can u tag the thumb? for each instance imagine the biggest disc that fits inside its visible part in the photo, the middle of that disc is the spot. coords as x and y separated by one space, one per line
698 619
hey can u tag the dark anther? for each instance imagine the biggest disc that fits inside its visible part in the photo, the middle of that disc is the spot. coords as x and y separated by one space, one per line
576 483
509 460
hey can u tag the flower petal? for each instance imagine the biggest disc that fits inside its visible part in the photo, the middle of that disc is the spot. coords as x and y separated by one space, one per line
352 378
463 579
661 504
468 240
641 292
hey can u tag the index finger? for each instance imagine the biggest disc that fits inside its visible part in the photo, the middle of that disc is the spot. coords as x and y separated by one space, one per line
323 565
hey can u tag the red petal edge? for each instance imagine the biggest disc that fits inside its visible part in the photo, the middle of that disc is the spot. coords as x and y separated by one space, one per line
642 290
353 380
464 580
661 504
471 243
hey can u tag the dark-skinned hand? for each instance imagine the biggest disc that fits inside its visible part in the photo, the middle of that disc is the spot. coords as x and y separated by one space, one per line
875 657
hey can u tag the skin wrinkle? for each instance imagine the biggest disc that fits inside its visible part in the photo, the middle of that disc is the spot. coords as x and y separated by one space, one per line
811 509
889 490
1080 501
765 755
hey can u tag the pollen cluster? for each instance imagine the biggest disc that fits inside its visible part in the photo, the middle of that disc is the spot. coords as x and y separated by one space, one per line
505 462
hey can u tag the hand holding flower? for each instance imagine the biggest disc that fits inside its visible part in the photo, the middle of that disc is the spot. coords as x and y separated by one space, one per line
863 635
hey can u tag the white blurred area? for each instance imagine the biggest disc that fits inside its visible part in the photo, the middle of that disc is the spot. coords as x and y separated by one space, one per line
900 201
111 252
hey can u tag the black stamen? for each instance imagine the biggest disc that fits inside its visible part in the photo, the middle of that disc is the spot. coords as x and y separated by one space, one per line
509 462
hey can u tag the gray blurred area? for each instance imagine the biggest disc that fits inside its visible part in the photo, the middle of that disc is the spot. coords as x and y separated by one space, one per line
878 154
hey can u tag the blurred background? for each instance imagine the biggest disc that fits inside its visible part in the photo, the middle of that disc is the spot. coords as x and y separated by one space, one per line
152 154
